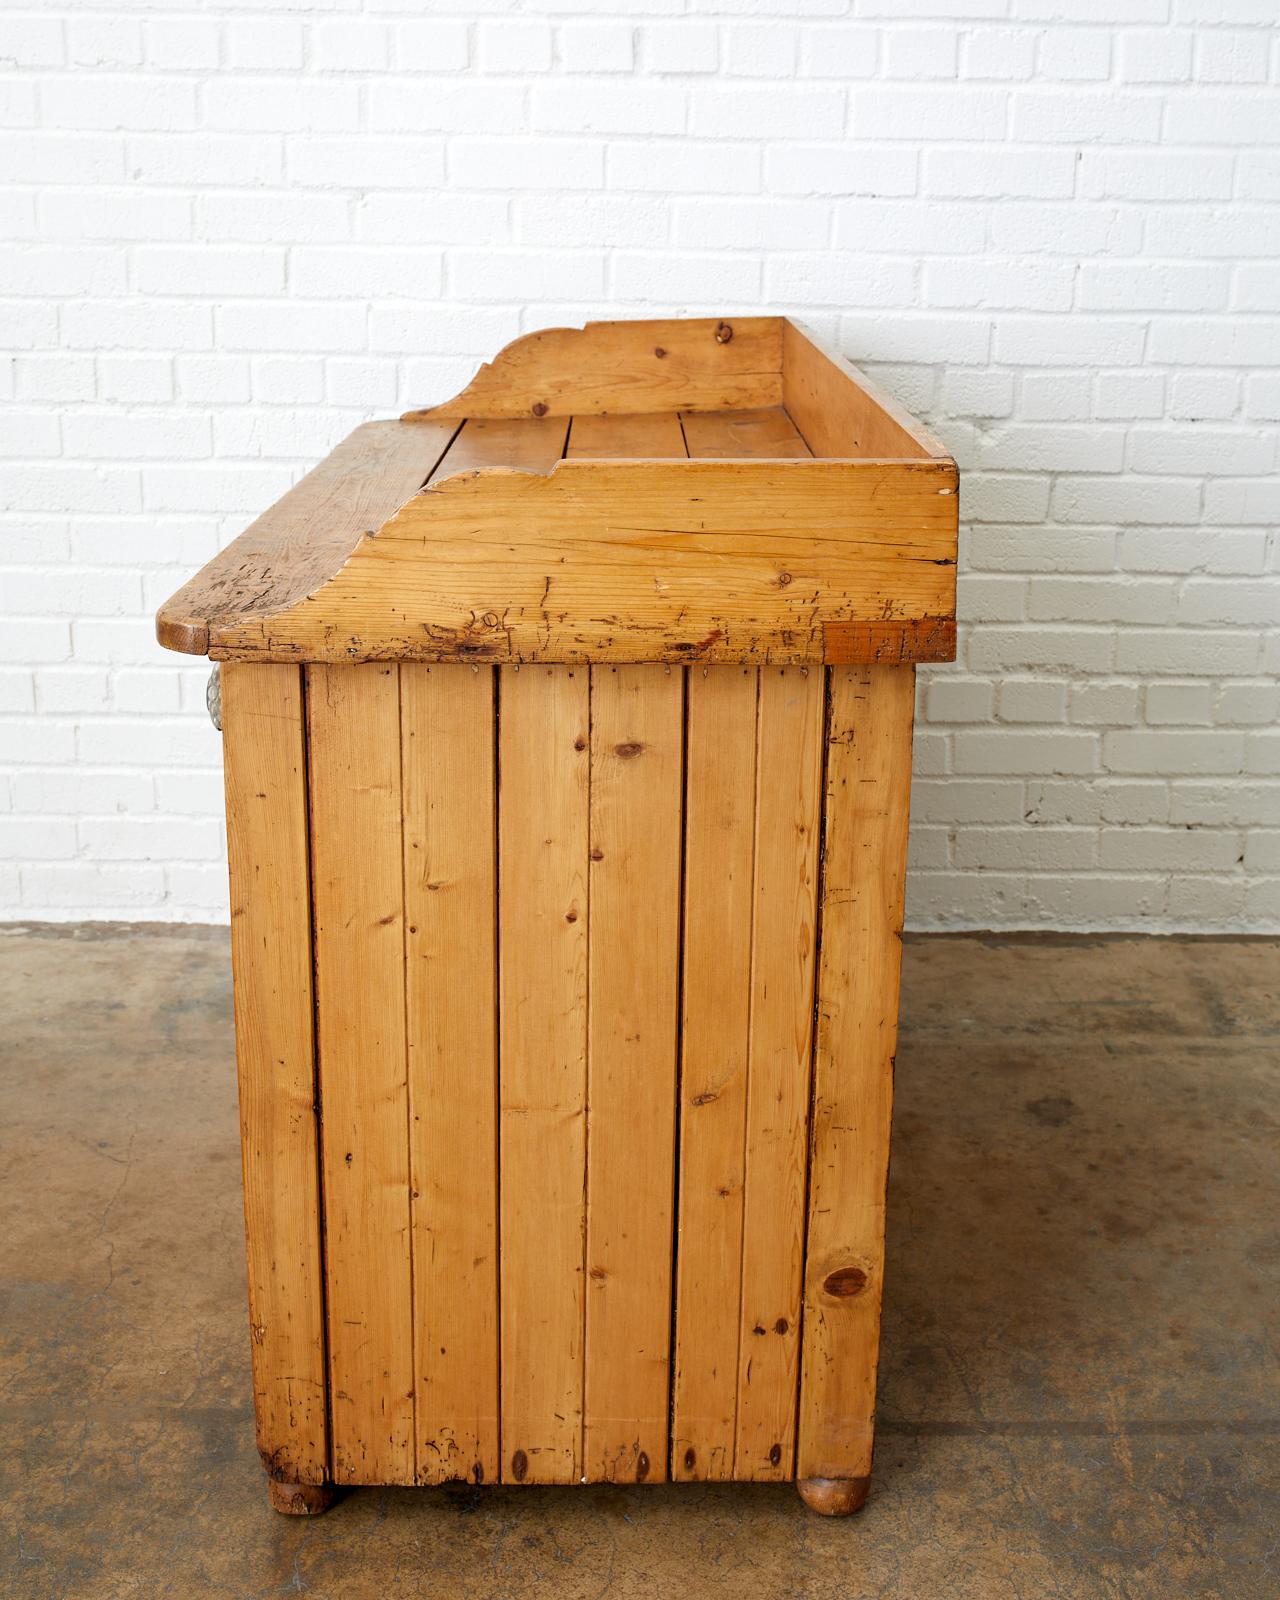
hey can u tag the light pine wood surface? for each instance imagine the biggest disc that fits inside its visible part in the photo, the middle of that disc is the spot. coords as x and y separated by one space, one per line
450 890
568 739
653 365
543 827
784 920
358 910
566 941
697 491
637 762
616 561
267 831
719 850
865 844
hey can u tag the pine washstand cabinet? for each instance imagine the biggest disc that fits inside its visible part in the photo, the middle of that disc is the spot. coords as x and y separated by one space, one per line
567 734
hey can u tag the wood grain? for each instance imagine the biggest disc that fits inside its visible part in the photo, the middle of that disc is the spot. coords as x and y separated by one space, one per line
358 901
531 445
840 412
265 765
636 781
788 825
610 566
889 643
720 795
655 365
305 537
615 561
654 434
543 823
450 867
732 435
868 793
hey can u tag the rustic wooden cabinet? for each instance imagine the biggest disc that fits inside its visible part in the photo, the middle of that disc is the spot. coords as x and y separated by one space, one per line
567 733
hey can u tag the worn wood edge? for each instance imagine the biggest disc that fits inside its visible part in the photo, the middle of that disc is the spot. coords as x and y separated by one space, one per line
942 466
582 480
932 446
889 643
493 376
186 635
186 620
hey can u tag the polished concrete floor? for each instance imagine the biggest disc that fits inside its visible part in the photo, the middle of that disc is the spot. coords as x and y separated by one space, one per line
1079 1396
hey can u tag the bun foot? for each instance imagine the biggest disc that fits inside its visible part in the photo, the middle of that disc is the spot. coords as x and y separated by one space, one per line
833 1497
299 1499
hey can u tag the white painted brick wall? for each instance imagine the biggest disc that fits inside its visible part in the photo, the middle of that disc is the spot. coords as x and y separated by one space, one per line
1050 226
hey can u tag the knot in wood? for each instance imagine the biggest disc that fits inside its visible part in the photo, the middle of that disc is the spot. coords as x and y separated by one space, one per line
845 1282
519 1466
723 333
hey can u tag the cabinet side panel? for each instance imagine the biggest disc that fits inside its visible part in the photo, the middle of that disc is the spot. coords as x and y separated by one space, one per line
719 833
788 823
265 766
867 796
357 889
637 762
447 752
543 810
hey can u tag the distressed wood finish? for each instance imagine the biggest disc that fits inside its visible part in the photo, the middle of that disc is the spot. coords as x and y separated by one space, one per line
568 738
788 814
705 363
637 762
358 908
797 517
543 825
719 850
868 793
304 538
450 888
266 789
617 561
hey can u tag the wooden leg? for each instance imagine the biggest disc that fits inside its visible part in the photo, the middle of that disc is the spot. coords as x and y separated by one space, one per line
834 1497
299 1499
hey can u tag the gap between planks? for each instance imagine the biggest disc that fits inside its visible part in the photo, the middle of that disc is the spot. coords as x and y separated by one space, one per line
535 444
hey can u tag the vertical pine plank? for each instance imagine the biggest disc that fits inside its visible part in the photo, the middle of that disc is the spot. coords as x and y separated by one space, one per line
636 769
719 839
543 816
868 790
788 820
265 761
357 876
447 753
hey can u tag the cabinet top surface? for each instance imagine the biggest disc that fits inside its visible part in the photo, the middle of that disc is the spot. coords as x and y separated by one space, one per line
709 490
